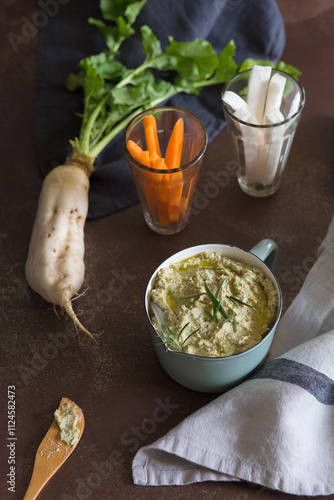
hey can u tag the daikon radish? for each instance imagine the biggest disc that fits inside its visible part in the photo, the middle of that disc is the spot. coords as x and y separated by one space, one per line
268 155
249 139
55 265
294 105
275 93
262 153
257 90
274 137
234 101
255 149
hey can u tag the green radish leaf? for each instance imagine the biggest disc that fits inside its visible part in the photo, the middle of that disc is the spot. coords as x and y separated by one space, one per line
193 61
227 67
249 63
113 35
151 45
129 9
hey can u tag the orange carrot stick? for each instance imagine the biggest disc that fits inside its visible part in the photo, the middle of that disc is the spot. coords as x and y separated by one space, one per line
154 157
173 160
151 135
162 189
187 193
143 157
158 163
175 144
176 190
134 149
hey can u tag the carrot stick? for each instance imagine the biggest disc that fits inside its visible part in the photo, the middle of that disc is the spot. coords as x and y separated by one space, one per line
151 135
163 192
135 150
162 189
158 163
175 144
176 189
186 195
154 157
185 199
143 157
173 160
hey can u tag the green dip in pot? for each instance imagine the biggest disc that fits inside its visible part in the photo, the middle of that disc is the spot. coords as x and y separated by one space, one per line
221 307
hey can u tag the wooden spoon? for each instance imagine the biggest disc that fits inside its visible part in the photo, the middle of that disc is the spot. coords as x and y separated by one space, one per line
52 453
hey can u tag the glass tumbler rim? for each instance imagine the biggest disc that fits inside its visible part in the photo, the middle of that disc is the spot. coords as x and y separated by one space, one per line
164 108
260 126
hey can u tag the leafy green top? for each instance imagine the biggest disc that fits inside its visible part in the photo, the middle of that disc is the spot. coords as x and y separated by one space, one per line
114 93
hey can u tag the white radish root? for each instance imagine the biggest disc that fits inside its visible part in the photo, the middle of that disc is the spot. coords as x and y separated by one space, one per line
55 265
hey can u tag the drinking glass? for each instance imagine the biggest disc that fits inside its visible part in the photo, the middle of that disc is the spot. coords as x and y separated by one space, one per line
262 150
166 195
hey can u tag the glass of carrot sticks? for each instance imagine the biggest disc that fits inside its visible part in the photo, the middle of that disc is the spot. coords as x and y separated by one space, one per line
164 147
262 108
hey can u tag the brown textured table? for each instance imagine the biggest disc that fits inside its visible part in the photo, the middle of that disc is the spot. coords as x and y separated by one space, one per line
119 383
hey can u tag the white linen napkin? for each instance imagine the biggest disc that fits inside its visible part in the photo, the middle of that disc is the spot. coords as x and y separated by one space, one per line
276 429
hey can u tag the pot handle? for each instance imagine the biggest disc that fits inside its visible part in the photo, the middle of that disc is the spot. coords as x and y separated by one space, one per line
266 250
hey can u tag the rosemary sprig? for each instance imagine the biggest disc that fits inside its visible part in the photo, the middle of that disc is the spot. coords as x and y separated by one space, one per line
239 301
219 288
174 337
211 316
217 305
217 297
232 300
234 323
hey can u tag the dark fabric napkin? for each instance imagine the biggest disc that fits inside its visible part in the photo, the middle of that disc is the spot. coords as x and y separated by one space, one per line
256 27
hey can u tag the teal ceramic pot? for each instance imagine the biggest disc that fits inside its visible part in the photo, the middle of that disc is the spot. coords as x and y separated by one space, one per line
218 375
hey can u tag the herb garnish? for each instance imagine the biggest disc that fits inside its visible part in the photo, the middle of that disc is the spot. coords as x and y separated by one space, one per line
217 305
234 323
174 337
234 299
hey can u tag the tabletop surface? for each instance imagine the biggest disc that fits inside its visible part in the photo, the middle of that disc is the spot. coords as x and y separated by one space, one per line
118 382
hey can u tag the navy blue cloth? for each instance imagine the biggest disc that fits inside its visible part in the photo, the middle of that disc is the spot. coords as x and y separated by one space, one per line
256 27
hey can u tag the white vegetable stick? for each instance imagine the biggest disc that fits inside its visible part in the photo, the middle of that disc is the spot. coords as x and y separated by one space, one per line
249 141
274 137
294 105
271 118
234 100
275 93
243 114
257 90
261 166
